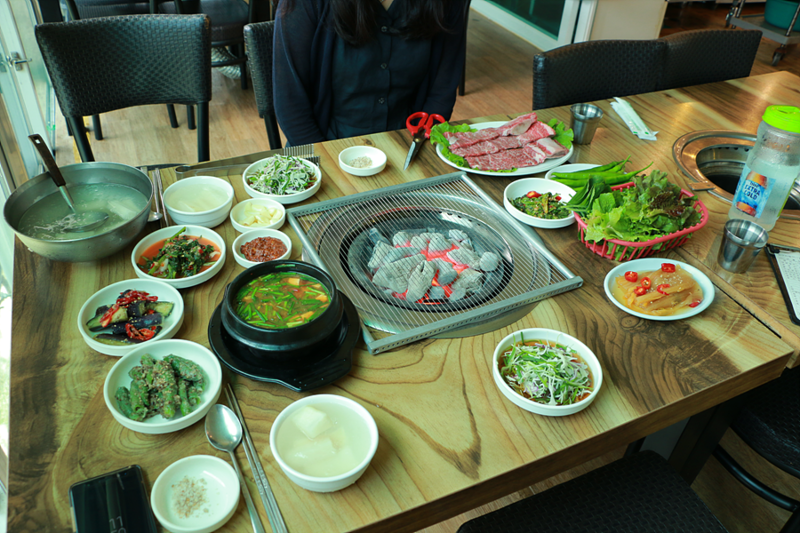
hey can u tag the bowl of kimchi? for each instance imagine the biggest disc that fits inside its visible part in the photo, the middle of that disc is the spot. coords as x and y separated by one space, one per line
659 289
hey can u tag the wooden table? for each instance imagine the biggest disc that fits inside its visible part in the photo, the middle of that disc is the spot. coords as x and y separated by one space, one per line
449 439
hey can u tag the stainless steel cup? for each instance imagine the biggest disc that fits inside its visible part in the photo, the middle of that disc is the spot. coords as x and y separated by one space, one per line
742 241
584 121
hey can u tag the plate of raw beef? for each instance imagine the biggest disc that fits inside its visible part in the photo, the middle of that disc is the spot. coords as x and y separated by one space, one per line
524 144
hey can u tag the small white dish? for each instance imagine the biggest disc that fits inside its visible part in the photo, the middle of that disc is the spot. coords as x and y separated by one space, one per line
333 483
573 167
284 199
654 263
165 233
179 195
554 336
156 425
239 211
108 296
377 156
522 187
236 248
220 486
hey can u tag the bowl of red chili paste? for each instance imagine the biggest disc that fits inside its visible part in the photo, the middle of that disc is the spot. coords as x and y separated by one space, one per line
261 245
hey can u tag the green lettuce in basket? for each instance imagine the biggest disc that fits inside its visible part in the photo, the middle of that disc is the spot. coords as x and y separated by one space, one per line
652 208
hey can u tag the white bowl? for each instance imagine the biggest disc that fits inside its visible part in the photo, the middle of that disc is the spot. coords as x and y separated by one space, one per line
236 248
190 187
109 295
285 199
524 186
377 156
333 483
654 263
156 425
221 491
561 338
164 233
237 214
573 167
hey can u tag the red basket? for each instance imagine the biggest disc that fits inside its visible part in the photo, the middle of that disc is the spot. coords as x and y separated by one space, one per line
636 250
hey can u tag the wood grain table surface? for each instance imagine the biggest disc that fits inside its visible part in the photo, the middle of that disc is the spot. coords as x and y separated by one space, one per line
449 441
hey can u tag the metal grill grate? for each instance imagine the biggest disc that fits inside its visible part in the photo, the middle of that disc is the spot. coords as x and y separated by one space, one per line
336 236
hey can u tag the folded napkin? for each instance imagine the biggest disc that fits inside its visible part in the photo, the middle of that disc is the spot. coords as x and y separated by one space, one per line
633 120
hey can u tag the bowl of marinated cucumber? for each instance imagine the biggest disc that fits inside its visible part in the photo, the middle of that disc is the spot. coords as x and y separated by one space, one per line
120 317
163 386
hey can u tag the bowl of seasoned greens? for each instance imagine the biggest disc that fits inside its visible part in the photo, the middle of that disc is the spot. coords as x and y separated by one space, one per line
539 203
285 179
546 372
281 311
181 256
163 386
119 318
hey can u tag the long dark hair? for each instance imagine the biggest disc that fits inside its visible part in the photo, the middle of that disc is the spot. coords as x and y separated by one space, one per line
354 20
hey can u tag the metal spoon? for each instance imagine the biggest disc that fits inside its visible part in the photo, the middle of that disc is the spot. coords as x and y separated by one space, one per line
84 221
224 432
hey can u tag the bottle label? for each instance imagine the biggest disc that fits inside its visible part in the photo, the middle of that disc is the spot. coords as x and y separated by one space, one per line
752 192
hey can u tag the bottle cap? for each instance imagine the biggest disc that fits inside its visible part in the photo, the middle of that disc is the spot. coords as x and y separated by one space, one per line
784 117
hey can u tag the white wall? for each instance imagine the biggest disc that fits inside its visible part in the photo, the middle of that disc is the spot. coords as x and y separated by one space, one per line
628 19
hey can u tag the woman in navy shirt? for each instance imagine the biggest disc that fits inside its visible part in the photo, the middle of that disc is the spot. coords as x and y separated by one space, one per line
351 67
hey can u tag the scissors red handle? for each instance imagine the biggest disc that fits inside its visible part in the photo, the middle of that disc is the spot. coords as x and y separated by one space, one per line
425 122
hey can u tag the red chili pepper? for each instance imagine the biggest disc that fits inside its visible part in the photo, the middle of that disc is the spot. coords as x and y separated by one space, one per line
533 194
631 276
639 291
142 334
105 320
663 286
646 283
695 303
558 198
667 267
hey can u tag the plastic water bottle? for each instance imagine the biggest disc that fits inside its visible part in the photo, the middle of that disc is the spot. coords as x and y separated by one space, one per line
772 167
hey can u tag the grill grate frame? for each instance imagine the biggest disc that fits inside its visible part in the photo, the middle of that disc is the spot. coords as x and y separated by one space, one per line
333 236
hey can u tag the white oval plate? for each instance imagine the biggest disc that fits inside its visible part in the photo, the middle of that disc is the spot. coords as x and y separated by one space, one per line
524 171
572 167
654 263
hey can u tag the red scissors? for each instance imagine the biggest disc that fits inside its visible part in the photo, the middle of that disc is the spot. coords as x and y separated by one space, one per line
420 131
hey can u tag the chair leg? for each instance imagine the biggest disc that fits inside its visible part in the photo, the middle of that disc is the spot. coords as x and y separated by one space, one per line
190 117
173 118
98 129
745 478
203 152
273 134
793 524
81 139
634 447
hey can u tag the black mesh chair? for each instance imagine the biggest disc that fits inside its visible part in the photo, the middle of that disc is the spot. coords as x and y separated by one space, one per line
258 39
770 424
706 56
595 70
632 495
103 64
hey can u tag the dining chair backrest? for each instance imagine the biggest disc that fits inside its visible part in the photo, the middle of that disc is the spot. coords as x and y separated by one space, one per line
258 40
706 56
88 9
103 64
595 70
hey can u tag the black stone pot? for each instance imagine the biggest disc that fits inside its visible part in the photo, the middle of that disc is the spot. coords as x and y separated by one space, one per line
290 346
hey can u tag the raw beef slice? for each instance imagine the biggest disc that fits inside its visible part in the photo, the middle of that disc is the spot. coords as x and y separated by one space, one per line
519 125
551 147
505 160
487 147
537 131
462 139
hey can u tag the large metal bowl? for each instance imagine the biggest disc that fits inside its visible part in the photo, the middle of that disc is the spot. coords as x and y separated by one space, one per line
80 248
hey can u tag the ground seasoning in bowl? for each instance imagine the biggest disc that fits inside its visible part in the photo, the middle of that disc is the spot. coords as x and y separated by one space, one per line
263 249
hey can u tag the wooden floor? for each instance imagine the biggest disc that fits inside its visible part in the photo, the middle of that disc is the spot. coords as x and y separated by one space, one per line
499 80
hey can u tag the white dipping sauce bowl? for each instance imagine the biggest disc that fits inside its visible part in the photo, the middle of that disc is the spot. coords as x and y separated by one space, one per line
188 187
221 489
347 156
325 484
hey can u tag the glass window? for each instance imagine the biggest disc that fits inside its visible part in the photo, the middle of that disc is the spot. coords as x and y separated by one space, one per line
544 15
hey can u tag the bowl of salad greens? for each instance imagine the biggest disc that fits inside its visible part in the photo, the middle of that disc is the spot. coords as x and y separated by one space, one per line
539 203
546 372
285 179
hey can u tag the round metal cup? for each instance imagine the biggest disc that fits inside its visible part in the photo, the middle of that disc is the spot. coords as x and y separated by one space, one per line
584 121
742 241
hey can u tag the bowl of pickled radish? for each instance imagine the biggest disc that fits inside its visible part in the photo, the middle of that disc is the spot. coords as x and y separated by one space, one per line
40 217
283 311
324 442
199 201
257 213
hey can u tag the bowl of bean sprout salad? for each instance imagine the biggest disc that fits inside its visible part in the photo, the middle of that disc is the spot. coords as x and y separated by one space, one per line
546 372
285 179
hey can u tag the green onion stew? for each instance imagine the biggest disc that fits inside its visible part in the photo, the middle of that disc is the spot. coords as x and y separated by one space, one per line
282 300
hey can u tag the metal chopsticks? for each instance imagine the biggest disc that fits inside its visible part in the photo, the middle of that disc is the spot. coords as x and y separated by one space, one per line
267 497
160 189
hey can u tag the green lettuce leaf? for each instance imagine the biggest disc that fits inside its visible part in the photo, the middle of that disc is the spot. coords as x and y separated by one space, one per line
563 134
